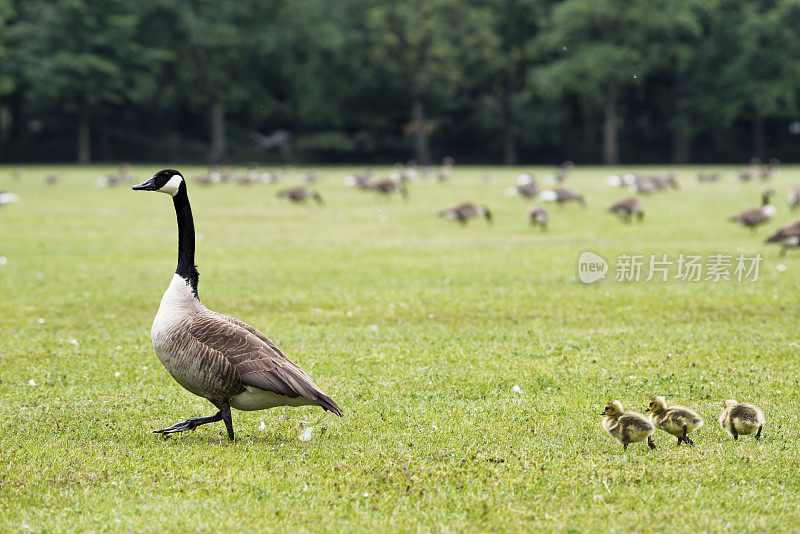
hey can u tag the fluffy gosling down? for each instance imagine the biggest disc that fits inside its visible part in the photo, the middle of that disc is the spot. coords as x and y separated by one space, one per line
676 420
627 427
739 418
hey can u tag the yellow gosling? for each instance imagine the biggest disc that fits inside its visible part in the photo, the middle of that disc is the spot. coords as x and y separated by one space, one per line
676 420
740 418
627 427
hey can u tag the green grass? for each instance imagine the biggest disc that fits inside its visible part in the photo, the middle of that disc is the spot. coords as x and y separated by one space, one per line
419 329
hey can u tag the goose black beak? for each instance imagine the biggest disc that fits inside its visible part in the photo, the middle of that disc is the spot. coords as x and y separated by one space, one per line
603 412
647 409
147 185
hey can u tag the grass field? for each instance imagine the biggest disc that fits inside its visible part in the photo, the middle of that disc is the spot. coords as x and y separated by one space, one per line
419 329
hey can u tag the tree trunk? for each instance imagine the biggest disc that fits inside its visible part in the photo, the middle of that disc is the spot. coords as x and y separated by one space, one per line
759 143
422 149
610 146
218 141
106 154
681 129
84 139
509 137
681 140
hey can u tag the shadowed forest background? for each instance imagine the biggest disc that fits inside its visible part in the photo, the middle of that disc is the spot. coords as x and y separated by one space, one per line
484 81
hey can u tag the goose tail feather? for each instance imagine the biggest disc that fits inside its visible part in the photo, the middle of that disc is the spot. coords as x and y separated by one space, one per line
328 403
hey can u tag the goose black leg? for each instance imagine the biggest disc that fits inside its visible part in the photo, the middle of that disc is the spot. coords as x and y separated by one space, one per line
758 434
191 424
735 433
651 443
226 416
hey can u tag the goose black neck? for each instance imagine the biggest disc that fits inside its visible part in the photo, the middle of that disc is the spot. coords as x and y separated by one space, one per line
186 267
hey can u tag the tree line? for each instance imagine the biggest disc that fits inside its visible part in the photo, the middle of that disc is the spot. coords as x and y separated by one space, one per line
511 81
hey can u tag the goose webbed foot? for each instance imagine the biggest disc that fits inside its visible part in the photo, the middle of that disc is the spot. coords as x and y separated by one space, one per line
194 422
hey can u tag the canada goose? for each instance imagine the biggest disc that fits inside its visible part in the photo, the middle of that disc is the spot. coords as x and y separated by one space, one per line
213 176
466 211
627 427
643 185
561 195
214 356
525 179
650 184
793 198
8 198
621 180
299 194
627 208
309 177
525 190
708 177
787 237
360 179
676 420
741 418
755 216
399 173
663 181
443 175
385 187
561 173
538 216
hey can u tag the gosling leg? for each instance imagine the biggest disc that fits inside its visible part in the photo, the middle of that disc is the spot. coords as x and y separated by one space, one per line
651 443
758 434
685 438
734 433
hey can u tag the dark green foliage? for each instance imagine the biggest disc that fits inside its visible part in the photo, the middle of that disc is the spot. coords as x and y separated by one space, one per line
363 80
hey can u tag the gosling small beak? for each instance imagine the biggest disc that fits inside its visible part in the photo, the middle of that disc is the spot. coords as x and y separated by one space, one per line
647 409
603 412
147 185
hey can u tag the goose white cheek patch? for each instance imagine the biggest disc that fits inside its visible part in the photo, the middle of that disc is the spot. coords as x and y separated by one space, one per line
171 187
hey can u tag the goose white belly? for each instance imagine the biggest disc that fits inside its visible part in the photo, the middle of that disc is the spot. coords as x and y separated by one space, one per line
258 399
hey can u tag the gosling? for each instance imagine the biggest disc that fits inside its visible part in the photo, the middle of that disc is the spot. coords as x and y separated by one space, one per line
741 418
676 420
627 427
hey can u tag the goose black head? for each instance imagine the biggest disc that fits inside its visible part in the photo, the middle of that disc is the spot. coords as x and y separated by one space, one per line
166 181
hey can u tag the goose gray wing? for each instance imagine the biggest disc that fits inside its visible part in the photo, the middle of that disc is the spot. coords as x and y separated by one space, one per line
257 360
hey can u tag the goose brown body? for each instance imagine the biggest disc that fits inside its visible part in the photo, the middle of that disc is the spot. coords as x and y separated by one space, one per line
465 211
787 237
627 208
300 194
751 218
